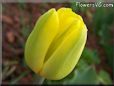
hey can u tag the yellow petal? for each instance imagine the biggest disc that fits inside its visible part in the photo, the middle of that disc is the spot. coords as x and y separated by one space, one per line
72 57
40 39
66 18
65 57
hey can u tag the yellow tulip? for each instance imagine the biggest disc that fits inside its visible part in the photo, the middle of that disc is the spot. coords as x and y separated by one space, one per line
56 43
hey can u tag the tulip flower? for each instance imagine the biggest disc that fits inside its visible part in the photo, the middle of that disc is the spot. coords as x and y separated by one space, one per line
56 43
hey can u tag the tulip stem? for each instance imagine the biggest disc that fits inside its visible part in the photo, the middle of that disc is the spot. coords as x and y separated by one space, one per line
39 80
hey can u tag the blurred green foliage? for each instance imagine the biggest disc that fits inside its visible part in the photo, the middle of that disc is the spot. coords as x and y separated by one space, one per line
104 77
103 19
91 56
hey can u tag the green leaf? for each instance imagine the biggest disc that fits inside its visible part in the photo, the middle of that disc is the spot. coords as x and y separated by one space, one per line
90 56
81 67
104 77
88 76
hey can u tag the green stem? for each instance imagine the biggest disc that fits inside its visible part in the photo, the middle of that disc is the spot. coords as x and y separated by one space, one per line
38 80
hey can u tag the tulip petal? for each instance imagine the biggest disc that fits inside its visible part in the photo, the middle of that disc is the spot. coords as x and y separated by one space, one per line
40 39
73 57
66 18
65 57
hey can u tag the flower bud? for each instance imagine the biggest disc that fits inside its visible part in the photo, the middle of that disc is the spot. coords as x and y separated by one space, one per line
56 43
